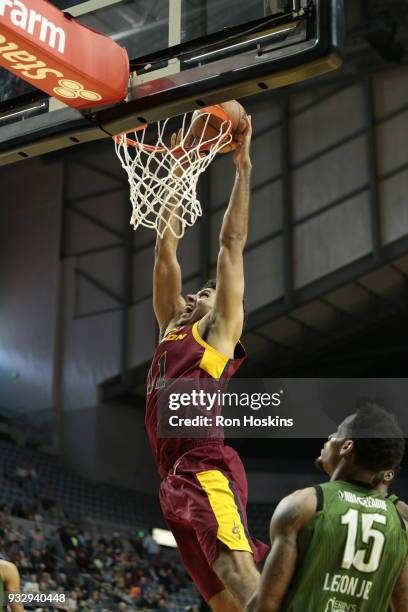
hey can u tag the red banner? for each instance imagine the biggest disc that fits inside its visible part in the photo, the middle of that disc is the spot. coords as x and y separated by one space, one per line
70 62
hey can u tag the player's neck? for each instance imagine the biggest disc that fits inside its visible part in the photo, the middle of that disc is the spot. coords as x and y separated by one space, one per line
354 475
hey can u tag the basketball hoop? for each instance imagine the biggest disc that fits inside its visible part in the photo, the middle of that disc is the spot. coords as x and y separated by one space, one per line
163 179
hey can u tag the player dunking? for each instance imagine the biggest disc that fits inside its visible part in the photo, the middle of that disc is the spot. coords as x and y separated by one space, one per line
342 545
203 493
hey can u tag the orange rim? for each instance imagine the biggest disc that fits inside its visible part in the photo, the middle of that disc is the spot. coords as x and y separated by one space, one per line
212 110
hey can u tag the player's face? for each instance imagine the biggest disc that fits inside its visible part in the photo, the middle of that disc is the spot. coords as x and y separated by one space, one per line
330 455
197 306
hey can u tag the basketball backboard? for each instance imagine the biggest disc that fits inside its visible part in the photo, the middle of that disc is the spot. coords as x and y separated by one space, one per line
184 54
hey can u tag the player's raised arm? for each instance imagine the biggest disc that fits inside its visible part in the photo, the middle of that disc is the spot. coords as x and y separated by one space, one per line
290 517
228 315
167 299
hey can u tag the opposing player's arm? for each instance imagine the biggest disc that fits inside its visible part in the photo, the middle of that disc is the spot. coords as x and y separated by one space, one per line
290 517
167 299
402 508
227 316
400 594
11 579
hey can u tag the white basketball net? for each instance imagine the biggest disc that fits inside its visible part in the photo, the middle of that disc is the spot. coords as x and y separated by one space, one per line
163 180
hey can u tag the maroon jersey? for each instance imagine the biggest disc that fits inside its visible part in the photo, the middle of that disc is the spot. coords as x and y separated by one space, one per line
182 354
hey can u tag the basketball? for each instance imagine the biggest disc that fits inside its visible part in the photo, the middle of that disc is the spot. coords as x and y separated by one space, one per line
201 128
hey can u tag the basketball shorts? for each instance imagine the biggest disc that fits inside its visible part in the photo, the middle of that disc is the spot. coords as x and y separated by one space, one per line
204 502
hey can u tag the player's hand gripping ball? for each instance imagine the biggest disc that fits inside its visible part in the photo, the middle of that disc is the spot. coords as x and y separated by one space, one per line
211 129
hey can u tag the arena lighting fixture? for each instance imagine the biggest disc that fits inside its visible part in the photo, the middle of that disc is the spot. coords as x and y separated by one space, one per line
164 537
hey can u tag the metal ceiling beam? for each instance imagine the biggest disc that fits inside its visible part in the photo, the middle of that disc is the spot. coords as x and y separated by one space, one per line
101 171
98 285
95 194
127 285
93 251
287 205
94 220
328 283
372 164
342 312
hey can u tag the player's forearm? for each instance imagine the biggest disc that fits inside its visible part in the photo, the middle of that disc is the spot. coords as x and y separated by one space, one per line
235 224
400 595
267 605
277 574
166 283
166 246
401 605
253 605
169 218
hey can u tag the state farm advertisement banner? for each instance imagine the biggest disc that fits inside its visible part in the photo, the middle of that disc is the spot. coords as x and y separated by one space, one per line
60 56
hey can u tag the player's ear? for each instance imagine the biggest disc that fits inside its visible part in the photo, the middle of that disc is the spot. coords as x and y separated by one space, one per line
389 475
347 448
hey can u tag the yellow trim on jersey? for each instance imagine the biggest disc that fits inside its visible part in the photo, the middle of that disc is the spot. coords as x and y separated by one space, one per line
213 362
231 531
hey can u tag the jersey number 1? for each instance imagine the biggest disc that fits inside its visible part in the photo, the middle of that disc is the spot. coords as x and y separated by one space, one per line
161 379
354 557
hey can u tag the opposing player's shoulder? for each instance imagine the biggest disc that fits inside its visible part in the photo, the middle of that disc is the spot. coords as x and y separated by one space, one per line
402 508
295 511
306 496
8 569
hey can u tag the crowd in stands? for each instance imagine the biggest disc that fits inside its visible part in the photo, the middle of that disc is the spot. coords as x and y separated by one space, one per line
95 571
101 570
67 534
57 548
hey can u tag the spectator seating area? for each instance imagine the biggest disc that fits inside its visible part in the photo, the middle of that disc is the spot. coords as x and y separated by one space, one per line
95 570
90 541
64 492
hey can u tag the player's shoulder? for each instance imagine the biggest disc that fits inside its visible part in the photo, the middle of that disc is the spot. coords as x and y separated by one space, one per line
296 509
310 498
7 568
306 495
402 508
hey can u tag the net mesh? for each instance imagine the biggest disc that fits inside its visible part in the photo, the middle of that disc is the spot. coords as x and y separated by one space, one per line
163 178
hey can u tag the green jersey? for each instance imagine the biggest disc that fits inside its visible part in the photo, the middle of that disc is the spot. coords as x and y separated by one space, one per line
351 553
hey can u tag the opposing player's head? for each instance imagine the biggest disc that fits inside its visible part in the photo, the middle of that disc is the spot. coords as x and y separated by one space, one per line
198 304
370 442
